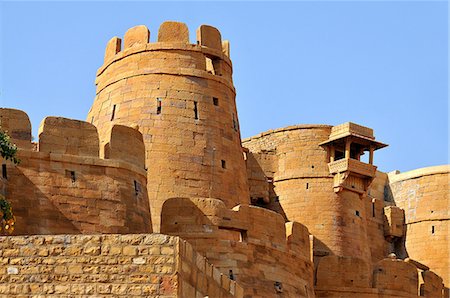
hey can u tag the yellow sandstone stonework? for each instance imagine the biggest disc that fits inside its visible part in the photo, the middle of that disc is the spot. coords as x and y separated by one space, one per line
292 212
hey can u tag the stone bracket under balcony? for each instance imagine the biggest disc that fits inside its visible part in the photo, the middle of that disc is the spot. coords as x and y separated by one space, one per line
352 174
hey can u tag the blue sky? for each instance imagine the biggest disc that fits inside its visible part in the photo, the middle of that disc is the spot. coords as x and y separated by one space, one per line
382 64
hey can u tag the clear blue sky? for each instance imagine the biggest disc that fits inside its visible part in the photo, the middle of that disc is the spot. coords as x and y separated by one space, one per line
382 64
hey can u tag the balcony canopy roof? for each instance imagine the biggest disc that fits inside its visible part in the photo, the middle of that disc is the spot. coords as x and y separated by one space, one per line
359 134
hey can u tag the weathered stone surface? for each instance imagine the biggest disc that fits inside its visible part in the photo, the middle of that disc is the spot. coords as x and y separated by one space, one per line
296 213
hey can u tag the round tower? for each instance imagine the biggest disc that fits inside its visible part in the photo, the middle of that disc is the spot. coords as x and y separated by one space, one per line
181 98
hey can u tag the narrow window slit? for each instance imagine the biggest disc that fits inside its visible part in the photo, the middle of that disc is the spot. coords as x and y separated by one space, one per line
224 164
307 185
215 101
113 112
137 188
432 229
243 236
158 105
4 173
235 126
231 275
373 209
195 110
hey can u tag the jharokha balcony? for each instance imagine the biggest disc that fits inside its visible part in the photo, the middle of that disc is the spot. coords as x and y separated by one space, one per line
352 165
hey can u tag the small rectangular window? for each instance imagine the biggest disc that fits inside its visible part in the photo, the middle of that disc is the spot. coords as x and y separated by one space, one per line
4 174
373 209
243 236
71 175
113 112
195 111
158 105
215 101
235 126
224 164
137 188
357 212
307 185
432 229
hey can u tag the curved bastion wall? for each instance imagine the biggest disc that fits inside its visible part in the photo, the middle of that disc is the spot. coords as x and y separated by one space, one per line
181 97
267 256
64 187
424 195
302 188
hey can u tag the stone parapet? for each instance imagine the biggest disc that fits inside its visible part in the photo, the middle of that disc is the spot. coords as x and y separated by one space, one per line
136 265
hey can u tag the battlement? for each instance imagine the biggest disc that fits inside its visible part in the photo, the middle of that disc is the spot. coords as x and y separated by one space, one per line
68 185
236 234
171 36
62 136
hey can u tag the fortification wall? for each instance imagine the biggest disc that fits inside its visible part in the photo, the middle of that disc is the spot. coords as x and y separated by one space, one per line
375 220
66 188
353 277
303 187
424 195
181 98
144 265
252 244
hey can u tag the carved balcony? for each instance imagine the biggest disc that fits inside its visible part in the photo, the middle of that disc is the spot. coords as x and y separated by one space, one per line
352 165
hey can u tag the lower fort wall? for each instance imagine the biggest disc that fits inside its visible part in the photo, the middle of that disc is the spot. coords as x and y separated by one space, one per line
253 245
144 265
64 187
424 195
65 194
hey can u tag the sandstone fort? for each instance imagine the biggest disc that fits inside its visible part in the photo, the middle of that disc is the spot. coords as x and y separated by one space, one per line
156 195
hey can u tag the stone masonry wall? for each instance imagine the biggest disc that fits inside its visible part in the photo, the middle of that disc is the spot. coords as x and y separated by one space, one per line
181 98
424 195
65 188
144 265
252 244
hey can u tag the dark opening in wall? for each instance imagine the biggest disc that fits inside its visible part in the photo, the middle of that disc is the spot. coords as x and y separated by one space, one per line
137 188
373 209
277 199
4 173
71 175
195 110
215 101
357 212
278 287
243 236
224 164
432 229
217 65
231 275
235 126
307 185
158 105
113 112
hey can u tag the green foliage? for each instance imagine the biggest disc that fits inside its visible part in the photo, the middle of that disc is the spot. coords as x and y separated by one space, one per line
7 219
7 149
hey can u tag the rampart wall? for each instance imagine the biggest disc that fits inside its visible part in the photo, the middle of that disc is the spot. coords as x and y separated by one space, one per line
65 188
424 195
253 245
144 265
181 97
302 190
